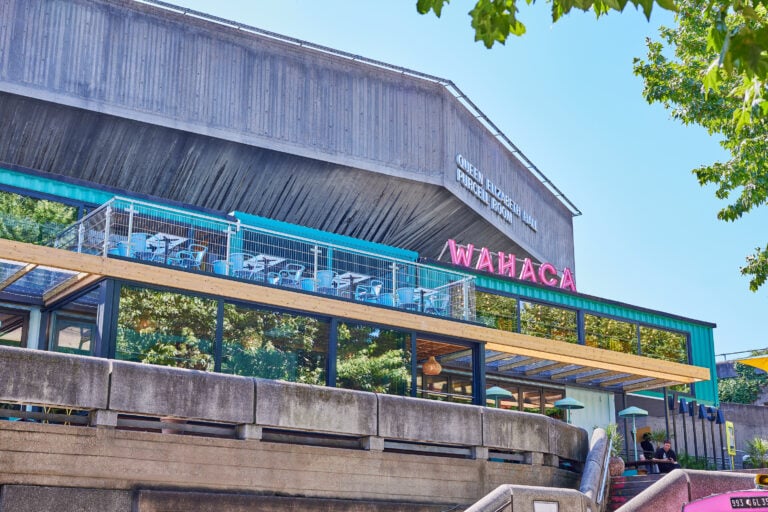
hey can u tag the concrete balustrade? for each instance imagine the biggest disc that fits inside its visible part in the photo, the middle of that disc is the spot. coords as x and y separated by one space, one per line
293 406
45 378
60 380
160 391
419 420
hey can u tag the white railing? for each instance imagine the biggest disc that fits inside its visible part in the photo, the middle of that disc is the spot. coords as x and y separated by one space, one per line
162 235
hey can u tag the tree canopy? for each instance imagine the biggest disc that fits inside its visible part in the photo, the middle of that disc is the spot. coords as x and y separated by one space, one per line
676 74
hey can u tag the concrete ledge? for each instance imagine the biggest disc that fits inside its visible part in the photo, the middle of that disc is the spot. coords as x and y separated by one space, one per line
567 441
412 419
29 498
315 408
161 391
49 378
515 430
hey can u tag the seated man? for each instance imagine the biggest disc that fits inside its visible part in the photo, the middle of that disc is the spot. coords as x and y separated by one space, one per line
666 458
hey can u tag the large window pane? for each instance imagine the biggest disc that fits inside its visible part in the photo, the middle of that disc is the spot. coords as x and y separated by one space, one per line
548 322
274 345
497 311
166 328
373 359
610 334
662 344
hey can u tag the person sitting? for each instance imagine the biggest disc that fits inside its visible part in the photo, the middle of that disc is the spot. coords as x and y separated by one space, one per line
648 451
666 458
647 446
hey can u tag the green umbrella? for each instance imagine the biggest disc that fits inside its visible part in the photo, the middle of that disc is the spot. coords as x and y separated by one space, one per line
568 403
496 393
633 412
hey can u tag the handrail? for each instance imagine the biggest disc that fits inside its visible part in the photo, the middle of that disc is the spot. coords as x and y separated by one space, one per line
604 482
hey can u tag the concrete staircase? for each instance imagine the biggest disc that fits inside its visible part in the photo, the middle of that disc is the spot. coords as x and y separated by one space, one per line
624 488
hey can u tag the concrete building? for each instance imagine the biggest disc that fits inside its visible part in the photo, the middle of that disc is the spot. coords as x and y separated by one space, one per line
261 207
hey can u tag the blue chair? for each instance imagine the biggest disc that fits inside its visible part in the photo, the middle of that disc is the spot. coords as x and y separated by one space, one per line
406 299
291 275
386 299
363 293
191 258
437 304
326 282
376 286
273 278
308 284
239 268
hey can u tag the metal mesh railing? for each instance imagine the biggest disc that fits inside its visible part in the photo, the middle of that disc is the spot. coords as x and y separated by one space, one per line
161 235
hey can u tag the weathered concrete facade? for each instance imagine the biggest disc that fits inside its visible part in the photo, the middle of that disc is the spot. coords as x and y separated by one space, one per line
290 439
129 95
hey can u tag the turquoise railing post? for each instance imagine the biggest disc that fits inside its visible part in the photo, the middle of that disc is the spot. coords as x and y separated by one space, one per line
130 228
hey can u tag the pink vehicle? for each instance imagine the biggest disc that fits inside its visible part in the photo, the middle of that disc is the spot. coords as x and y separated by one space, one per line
751 499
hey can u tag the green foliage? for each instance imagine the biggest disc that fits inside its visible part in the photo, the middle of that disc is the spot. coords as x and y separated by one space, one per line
615 439
700 71
372 359
688 461
744 388
495 20
31 220
757 450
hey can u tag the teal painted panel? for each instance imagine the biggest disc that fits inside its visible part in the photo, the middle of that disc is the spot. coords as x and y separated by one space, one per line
324 236
701 333
53 187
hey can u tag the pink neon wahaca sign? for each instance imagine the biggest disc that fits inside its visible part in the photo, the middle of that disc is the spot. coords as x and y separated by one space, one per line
506 265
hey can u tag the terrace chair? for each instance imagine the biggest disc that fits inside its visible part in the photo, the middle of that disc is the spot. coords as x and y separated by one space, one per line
376 286
326 282
437 304
386 299
406 299
192 258
239 268
363 292
273 278
291 275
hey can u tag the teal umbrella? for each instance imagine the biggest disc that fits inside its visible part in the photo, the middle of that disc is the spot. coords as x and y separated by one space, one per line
568 403
496 393
633 412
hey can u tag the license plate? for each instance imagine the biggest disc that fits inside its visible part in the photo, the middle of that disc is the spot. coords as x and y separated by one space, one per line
745 502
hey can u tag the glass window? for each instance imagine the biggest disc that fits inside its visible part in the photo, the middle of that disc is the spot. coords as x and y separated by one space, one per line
73 325
531 399
13 327
166 328
28 219
444 371
497 311
610 334
274 345
548 322
663 344
373 359
72 335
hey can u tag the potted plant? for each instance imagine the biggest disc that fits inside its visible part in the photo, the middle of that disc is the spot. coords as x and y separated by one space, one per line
615 440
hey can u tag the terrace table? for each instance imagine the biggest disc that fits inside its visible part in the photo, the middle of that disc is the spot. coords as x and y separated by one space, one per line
160 244
347 280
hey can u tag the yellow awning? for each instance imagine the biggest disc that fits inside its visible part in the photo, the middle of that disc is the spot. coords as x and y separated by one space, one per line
760 362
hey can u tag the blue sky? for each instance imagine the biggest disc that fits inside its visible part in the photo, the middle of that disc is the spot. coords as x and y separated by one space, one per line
566 96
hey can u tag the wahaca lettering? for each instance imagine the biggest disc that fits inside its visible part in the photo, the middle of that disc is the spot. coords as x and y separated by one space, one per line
506 265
